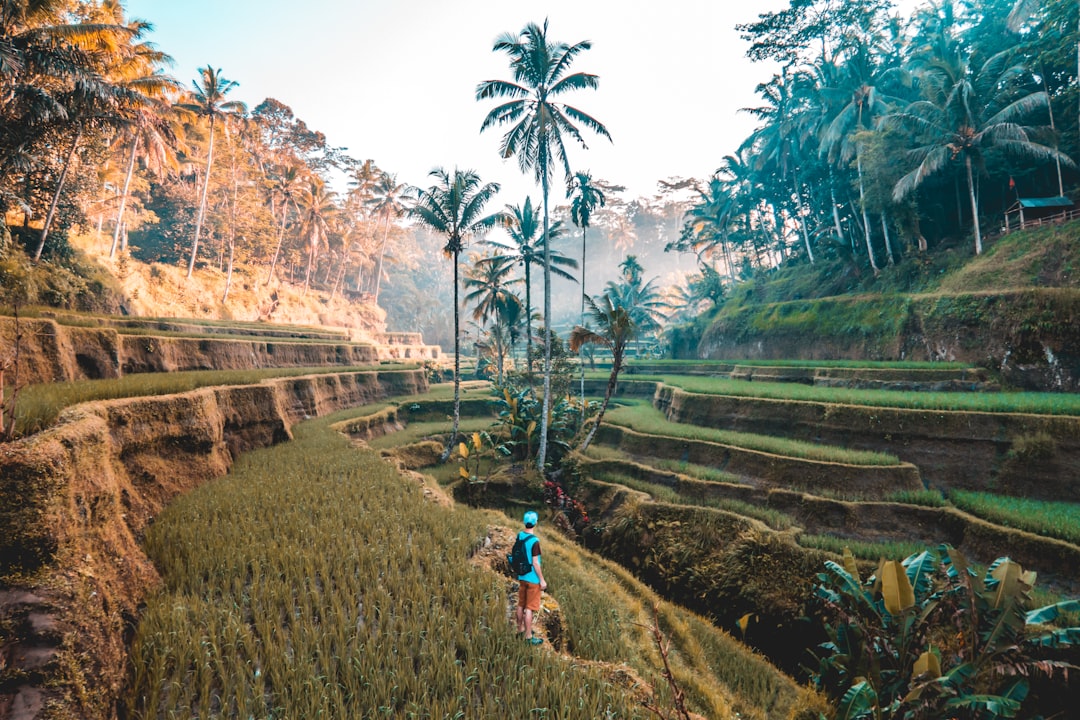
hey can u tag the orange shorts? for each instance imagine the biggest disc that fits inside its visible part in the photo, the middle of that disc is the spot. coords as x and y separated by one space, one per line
529 596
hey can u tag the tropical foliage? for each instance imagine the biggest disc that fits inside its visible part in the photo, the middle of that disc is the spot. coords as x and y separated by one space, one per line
931 637
539 128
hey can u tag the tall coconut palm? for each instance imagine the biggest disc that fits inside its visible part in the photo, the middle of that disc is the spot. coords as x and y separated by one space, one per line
387 203
526 248
539 126
454 207
124 81
209 102
45 52
615 329
964 114
318 210
283 190
859 100
488 286
584 197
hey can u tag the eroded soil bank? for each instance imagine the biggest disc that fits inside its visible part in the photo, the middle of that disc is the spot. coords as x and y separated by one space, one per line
53 352
76 499
1034 456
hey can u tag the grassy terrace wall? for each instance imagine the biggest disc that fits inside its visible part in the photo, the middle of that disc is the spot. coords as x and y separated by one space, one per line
75 499
969 450
943 379
1031 336
782 471
1055 560
52 352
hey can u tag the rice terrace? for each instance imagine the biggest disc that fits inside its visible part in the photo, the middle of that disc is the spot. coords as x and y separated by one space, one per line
613 361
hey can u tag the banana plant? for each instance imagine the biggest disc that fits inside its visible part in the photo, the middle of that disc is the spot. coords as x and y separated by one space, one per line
930 637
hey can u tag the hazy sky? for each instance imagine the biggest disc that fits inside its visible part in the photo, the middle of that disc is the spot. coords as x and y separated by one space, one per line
395 80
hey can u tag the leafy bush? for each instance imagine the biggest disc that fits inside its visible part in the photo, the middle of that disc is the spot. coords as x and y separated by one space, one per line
931 638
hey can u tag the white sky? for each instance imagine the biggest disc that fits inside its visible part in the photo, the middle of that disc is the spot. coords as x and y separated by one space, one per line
395 81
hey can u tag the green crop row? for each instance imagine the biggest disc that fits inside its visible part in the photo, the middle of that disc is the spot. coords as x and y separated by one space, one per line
39 405
847 364
644 418
662 493
313 581
1051 519
1019 402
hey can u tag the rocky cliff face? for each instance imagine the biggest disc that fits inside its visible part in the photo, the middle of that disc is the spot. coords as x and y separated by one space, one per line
76 499
54 352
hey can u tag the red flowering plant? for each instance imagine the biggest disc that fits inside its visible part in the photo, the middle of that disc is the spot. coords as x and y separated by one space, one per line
559 500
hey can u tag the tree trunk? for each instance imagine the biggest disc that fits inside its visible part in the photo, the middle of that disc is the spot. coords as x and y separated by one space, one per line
835 208
228 276
379 262
56 195
541 455
865 218
613 379
974 206
581 355
310 259
528 322
280 238
457 368
202 200
124 195
888 243
802 219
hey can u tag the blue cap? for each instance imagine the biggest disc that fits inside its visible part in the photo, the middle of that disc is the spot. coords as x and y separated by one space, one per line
531 518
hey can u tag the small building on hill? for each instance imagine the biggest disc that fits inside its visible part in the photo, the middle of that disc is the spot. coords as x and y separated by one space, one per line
1033 212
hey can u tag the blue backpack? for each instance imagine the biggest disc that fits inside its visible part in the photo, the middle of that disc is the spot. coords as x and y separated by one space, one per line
518 559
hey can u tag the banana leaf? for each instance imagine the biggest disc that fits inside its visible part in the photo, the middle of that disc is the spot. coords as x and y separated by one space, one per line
858 702
1050 613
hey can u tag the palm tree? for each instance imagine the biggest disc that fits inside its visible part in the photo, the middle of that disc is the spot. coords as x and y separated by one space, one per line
861 100
965 113
318 208
454 207
584 198
538 127
488 285
526 249
387 203
283 189
43 56
148 127
615 329
209 101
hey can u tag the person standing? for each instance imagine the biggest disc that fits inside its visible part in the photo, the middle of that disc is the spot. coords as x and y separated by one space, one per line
531 584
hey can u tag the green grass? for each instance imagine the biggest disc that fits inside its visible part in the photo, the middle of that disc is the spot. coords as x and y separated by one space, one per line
1059 520
314 582
1026 402
662 493
926 498
644 418
848 364
415 432
40 405
699 472
890 550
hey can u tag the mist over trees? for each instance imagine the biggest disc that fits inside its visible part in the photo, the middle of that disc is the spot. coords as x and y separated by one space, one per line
880 137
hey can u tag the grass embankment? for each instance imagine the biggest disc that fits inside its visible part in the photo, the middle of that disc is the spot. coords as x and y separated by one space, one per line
40 405
1018 402
644 418
313 581
806 364
1059 520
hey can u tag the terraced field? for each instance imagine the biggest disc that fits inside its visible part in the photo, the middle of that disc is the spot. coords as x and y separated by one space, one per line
318 577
